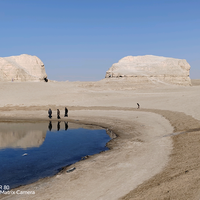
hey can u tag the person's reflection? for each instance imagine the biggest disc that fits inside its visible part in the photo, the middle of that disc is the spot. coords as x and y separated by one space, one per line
66 125
58 126
50 126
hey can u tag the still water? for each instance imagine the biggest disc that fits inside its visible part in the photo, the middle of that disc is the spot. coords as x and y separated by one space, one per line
30 151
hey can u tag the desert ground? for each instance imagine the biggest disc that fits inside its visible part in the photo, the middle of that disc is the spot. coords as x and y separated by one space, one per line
154 156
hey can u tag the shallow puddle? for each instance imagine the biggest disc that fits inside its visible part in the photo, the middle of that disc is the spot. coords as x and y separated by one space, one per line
30 151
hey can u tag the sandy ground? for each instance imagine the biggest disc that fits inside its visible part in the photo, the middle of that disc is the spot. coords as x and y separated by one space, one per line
155 155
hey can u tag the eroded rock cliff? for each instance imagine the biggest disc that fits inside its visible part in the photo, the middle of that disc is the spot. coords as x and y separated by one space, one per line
151 68
22 68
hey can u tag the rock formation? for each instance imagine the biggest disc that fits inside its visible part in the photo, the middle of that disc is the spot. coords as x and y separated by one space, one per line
22 68
151 68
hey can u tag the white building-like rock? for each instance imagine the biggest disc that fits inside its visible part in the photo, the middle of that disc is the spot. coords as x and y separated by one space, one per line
151 68
22 68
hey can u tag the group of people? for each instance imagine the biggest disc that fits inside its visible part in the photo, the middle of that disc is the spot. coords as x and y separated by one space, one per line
58 113
66 112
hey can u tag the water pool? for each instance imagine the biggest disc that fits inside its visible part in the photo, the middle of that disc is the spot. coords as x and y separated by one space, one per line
31 151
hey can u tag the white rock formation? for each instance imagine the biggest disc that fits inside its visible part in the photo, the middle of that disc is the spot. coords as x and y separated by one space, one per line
22 68
151 68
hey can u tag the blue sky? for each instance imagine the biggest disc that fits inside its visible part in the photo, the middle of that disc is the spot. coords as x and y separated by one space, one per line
79 40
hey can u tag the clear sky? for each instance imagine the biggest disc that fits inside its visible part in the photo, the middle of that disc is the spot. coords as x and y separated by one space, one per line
79 40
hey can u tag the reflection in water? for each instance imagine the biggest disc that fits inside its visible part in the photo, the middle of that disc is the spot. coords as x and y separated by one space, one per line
28 151
66 125
58 126
50 126
26 135
18 135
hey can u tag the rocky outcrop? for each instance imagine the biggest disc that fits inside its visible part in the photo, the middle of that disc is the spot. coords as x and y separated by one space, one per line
151 68
22 68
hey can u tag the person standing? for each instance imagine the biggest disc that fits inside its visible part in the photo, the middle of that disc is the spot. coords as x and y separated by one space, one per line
66 112
138 105
58 114
50 113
